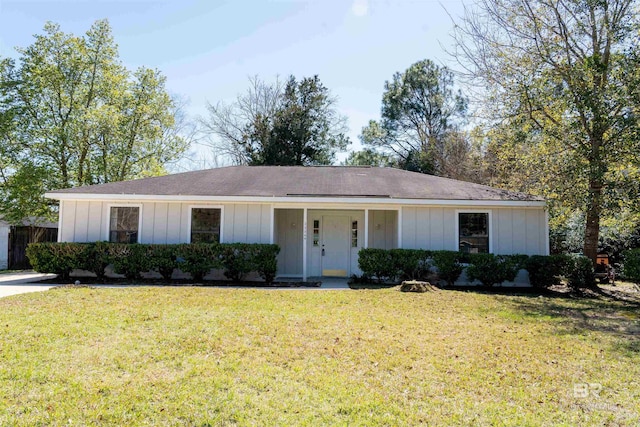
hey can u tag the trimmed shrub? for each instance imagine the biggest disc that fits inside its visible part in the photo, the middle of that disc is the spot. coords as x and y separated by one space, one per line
237 260
448 265
130 259
492 269
96 258
265 261
163 259
410 264
377 263
631 269
580 273
546 271
198 259
519 261
56 258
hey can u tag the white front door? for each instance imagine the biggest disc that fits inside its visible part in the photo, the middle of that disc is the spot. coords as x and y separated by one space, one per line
336 245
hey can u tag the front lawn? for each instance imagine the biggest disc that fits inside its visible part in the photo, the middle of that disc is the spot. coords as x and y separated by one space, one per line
207 356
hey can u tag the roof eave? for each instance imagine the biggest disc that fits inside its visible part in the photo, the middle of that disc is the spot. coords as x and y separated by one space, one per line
292 199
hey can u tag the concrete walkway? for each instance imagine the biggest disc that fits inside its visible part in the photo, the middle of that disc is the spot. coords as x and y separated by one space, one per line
27 281
23 282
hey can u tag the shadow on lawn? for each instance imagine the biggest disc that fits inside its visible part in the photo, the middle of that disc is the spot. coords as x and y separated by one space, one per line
601 311
576 315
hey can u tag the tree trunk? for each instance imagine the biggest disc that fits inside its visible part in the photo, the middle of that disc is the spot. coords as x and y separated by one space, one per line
592 227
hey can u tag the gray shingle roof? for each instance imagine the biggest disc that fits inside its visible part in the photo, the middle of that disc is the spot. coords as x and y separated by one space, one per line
307 181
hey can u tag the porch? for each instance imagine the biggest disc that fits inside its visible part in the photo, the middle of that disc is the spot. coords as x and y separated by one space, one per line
325 242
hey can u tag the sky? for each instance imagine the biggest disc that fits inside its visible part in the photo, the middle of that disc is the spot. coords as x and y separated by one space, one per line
208 50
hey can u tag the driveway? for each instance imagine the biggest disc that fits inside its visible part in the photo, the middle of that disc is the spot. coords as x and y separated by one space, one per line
22 282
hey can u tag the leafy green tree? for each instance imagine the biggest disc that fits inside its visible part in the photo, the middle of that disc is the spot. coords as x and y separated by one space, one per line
291 124
562 80
420 117
369 157
80 117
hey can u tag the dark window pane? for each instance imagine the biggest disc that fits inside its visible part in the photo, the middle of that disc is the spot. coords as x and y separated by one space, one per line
205 225
123 224
474 232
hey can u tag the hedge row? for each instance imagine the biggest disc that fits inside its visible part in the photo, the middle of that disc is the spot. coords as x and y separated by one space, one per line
632 265
488 269
236 259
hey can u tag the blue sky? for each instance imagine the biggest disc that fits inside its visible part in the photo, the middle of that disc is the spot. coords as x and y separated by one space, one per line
209 49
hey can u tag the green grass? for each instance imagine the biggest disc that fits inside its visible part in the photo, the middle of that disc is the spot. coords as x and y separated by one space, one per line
206 356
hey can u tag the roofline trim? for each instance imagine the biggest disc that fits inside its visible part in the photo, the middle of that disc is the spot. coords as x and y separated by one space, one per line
291 199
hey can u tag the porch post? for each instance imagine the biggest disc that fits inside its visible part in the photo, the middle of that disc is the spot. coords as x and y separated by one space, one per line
272 226
400 227
366 228
304 245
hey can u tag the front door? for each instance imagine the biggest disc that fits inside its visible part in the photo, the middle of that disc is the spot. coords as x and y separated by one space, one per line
336 249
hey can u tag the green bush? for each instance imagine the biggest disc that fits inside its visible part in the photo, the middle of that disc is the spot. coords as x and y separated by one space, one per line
546 271
56 258
448 265
265 261
580 273
410 264
376 263
631 269
492 269
96 258
237 260
198 259
130 259
163 259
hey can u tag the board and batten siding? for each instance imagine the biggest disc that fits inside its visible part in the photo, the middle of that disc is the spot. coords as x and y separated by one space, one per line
512 230
383 229
163 223
429 228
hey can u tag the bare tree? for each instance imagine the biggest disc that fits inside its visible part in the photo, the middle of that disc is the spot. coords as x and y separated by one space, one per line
225 127
567 69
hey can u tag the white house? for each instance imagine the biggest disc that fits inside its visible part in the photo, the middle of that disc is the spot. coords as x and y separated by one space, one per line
321 216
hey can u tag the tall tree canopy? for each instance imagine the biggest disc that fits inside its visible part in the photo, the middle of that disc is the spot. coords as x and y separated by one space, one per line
563 78
275 124
77 116
420 117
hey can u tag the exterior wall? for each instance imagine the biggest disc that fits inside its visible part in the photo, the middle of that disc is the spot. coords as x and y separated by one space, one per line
161 222
383 229
429 228
519 231
288 234
4 247
512 230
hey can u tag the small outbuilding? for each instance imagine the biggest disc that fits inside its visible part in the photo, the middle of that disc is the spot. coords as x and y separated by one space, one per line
321 216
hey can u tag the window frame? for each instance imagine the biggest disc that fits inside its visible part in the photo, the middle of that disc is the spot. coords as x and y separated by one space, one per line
192 207
123 205
489 226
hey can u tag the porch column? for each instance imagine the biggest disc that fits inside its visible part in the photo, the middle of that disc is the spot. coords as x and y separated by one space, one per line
400 228
304 245
366 228
272 226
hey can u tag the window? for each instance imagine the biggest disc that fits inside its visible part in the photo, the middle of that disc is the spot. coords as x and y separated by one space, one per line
205 225
316 232
123 224
354 234
473 232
